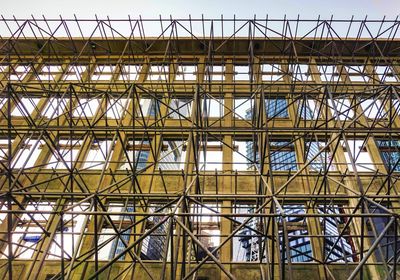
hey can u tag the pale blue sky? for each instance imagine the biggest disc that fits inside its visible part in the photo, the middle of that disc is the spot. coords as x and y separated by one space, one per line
310 9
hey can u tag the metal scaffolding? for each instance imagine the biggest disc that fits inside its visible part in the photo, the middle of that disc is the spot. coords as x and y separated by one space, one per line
199 148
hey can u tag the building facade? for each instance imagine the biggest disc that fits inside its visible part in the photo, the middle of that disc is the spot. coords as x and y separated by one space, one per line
199 149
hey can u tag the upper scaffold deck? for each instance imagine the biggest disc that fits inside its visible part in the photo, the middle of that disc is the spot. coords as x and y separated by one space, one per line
233 37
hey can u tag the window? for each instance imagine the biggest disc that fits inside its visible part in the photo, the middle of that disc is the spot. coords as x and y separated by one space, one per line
375 227
145 104
243 108
323 160
75 72
3 102
28 232
55 107
103 72
25 107
356 73
299 244
19 73
153 246
308 109
130 72
283 156
3 207
385 74
186 73
272 72
276 108
150 107
49 72
242 73
120 244
211 107
300 73
395 105
172 155
72 227
390 153
105 243
116 107
215 73
85 108
98 154
341 109
109 244
180 108
207 227
246 243
136 156
373 109
328 73
339 246
252 155
158 72
64 157
359 153
242 155
4 150
27 155
210 156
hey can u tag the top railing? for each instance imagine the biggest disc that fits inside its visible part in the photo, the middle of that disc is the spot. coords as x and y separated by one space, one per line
199 28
